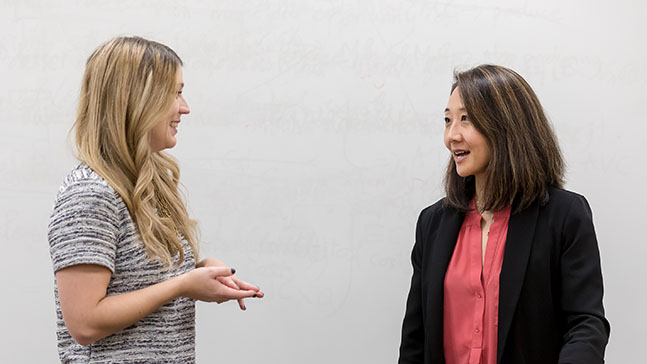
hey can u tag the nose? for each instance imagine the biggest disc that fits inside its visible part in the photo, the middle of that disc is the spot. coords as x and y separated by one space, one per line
184 106
453 133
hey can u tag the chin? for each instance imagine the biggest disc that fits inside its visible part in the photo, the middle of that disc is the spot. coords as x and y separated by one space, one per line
463 173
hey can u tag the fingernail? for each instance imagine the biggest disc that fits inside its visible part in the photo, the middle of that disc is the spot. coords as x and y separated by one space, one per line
233 270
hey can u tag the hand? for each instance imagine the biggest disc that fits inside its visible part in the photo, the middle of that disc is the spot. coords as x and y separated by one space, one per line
231 281
202 284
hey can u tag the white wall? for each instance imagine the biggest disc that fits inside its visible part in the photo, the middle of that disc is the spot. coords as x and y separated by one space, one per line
313 142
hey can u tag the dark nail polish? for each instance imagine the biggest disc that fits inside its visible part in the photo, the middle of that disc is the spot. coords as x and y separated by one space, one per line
233 270
254 296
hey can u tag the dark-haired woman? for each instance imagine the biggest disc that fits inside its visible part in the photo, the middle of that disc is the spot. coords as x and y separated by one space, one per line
506 267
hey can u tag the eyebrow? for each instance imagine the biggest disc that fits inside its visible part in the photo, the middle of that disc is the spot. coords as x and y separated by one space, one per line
461 109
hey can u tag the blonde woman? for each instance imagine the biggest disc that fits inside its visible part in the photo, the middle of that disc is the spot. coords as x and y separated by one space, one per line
123 247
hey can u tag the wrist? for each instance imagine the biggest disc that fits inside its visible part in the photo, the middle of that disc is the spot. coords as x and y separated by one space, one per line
178 286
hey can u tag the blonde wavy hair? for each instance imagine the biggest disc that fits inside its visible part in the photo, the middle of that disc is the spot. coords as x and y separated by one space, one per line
128 85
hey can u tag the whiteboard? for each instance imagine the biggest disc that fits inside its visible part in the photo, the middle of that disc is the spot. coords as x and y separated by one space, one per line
314 140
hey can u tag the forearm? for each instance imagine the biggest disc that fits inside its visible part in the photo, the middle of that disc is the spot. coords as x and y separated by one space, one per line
585 343
214 262
112 314
412 341
90 314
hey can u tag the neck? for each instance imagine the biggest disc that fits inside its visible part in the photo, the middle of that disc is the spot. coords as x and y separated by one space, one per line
478 193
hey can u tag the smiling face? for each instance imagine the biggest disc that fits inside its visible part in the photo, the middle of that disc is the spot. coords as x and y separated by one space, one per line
470 149
162 135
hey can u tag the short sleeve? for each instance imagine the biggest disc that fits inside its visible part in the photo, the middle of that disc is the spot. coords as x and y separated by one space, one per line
84 226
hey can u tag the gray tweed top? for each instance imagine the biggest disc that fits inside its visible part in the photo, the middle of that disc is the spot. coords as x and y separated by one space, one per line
90 224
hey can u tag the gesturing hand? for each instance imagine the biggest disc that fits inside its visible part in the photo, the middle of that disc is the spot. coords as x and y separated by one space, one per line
231 281
205 284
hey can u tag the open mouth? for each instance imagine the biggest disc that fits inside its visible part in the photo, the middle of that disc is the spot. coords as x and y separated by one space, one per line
460 155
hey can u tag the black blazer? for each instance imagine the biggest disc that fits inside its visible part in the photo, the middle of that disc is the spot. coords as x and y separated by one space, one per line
550 302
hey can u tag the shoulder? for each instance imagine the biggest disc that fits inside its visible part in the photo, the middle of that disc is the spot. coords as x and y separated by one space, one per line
84 191
83 182
563 208
566 201
85 222
433 213
84 175
562 196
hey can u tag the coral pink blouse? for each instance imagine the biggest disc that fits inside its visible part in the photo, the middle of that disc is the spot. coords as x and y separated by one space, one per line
471 293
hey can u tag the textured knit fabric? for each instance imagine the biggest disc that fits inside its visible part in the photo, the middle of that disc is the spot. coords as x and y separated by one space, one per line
90 224
471 293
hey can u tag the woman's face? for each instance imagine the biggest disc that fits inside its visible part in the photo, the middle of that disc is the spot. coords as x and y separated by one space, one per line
468 146
163 133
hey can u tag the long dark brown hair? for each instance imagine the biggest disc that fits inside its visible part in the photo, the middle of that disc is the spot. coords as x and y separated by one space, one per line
526 159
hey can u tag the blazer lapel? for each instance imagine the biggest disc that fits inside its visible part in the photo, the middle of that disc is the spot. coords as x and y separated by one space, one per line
445 241
443 236
521 230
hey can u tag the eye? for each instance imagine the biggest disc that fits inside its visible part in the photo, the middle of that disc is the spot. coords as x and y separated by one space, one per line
464 118
447 121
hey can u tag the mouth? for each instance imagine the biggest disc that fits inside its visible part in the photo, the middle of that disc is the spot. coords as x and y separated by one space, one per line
174 124
460 155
